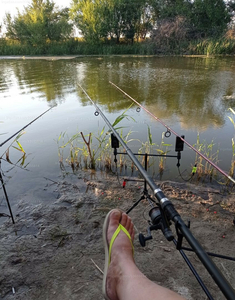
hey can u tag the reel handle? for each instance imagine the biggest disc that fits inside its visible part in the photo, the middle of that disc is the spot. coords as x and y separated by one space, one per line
143 239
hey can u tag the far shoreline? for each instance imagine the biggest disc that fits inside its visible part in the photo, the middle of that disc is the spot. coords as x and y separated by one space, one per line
70 57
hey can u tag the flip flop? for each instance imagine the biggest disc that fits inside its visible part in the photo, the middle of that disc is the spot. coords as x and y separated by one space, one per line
108 248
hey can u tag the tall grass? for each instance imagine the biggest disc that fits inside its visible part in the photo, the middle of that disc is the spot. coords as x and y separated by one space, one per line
75 47
90 151
93 151
149 148
84 153
21 162
205 170
208 47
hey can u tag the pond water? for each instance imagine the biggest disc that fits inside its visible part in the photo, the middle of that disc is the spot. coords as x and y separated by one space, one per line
191 95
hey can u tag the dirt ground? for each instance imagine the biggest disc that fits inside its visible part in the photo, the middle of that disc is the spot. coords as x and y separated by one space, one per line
55 251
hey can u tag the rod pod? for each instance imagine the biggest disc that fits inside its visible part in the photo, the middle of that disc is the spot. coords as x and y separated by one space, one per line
173 215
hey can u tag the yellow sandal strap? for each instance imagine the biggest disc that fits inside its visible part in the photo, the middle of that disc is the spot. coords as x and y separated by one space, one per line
120 227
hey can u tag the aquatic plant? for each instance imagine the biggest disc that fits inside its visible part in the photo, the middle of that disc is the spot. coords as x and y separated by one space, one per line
16 145
204 169
95 150
162 150
75 46
148 147
218 46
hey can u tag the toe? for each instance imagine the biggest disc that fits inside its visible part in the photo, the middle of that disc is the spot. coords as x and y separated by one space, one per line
114 220
132 231
128 223
124 220
115 217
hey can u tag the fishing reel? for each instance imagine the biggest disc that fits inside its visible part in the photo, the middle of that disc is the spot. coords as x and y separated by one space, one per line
158 221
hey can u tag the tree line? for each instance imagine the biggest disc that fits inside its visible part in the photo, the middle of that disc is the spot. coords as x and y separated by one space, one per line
107 21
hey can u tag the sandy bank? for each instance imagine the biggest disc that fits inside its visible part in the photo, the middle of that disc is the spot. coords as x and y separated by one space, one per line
54 251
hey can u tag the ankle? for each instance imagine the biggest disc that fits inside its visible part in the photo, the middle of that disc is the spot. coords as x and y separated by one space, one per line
122 256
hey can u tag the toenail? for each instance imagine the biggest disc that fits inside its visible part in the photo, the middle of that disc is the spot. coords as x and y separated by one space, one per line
116 214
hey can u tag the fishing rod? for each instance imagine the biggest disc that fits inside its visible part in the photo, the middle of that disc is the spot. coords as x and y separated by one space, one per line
169 131
6 196
25 126
169 213
8 139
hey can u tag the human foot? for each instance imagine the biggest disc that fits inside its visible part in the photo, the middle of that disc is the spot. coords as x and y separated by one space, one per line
121 250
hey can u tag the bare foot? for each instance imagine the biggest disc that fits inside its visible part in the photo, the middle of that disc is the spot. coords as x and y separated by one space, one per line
122 252
124 280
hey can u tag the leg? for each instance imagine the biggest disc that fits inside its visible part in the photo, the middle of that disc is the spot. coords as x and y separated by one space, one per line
124 280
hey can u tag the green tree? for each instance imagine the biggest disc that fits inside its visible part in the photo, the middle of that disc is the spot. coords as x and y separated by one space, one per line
148 20
127 17
210 17
174 8
40 22
86 17
107 18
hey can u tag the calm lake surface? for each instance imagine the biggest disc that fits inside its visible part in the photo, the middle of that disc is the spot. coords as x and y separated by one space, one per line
191 95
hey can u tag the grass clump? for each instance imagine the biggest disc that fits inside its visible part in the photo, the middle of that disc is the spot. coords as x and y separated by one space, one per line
204 169
222 46
83 153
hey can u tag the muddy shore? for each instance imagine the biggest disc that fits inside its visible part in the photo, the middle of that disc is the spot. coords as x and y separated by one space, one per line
56 251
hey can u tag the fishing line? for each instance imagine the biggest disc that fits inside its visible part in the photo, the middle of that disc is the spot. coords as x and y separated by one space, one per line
8 139
26 126
14 165
176 134
194 170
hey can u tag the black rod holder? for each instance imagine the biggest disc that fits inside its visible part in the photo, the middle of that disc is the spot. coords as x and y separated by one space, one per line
6 196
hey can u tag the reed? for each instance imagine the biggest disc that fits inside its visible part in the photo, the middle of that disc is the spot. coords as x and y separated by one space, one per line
162 150
204 170
20 163
148 147
94 154
15 144
93 151
209 47
75 46
84 153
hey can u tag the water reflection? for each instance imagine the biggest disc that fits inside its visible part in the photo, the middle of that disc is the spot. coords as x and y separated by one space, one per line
196 92
6 73
44 79
190 91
